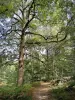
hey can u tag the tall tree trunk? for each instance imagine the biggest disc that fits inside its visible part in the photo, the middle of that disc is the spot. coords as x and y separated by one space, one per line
21 62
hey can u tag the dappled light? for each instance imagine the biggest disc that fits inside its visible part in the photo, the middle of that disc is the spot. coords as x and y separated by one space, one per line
37 49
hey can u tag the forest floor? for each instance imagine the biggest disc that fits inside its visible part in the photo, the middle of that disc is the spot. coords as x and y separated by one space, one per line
42 92
45 91
38 91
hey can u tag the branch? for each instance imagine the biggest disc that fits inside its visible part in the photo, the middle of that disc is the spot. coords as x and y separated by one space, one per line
15 30
23 8
29 20
38 19
16 19
14 23
40 43
12 30
45 38
27 33
26 25
61 39
30 10
26 7
62 31
18 16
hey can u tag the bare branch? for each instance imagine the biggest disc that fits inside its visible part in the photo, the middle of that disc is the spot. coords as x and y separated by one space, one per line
16 19
18 16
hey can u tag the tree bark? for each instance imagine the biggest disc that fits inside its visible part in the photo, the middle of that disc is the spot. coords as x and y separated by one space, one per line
21 62
22 43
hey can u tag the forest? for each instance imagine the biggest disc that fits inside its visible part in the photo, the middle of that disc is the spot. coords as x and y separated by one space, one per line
37 50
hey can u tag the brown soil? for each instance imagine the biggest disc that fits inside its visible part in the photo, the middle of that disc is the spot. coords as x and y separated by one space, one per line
42 92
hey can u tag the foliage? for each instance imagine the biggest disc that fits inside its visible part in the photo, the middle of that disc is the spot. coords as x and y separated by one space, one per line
51 48
36 84
62 94
18 93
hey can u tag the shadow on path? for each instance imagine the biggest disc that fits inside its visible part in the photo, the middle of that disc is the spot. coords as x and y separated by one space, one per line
42 92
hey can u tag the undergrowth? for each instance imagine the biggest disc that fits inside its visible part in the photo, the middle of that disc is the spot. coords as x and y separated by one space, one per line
15 93
63 94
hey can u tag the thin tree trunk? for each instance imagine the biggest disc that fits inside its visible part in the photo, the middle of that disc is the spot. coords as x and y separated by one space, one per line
21 62
47 63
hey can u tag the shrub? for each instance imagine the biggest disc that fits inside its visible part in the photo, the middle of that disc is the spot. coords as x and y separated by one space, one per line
15 93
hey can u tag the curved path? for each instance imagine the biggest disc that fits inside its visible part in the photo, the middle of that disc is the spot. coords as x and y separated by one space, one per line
42 92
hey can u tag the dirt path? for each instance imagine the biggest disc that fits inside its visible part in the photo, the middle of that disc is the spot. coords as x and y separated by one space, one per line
42 92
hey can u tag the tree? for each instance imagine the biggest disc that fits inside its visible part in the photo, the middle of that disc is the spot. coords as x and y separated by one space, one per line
29 11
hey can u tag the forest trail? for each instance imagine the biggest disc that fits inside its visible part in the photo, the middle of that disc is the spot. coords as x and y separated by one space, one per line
42 92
